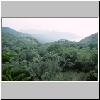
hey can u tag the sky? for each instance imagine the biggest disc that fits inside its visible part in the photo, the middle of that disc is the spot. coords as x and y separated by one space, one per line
79 27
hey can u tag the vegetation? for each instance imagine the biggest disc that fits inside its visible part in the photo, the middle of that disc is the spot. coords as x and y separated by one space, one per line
25 59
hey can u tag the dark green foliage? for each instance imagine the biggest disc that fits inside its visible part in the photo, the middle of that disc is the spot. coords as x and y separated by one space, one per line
92 76
25 59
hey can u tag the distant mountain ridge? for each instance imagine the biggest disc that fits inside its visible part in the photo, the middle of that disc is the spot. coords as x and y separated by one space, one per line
46 36
92 39
41 36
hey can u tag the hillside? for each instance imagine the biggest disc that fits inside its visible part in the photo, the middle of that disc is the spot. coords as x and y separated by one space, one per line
12 36
91 40
26 59
11 31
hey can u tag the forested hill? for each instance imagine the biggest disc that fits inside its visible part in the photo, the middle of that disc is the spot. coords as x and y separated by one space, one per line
15 33
11 36
11 31
8 30
25 59
91 40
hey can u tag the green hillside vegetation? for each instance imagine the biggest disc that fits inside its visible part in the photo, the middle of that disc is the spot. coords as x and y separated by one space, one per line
91 41
25 59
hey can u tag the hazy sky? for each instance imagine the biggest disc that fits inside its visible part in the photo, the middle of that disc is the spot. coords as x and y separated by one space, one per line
81 27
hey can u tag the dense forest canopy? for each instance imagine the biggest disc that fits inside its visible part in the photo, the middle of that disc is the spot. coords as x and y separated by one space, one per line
26 59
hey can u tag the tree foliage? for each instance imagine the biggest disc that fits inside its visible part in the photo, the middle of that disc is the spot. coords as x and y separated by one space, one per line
25 59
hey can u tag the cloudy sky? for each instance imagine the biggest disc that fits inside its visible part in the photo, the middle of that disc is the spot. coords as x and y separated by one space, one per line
81 27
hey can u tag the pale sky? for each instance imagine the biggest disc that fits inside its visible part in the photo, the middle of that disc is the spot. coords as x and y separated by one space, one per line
81 27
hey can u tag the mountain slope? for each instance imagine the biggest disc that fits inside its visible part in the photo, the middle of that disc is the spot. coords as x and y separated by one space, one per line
91 40
12 38
11 31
